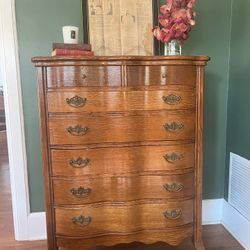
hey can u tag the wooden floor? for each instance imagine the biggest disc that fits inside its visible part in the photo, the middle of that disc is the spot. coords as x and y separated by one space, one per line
215 236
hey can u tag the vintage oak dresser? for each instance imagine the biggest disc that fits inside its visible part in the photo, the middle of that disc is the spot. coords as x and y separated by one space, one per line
122 149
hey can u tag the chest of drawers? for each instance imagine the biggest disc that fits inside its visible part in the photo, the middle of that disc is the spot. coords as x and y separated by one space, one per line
122 149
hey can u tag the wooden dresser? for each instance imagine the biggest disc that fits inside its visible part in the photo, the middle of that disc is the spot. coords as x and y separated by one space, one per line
122 149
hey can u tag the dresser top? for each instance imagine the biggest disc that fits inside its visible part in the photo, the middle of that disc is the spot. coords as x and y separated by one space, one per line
119 60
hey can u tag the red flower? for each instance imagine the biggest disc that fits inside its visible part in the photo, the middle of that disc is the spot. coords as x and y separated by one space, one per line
176 19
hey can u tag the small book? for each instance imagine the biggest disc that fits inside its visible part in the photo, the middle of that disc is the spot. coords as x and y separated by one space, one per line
71 52
78 46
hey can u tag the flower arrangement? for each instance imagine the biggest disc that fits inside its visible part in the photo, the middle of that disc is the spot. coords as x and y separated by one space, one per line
176 18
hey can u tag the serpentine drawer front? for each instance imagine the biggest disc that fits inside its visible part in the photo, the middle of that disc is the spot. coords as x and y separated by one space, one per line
77 101
122 188
94 220
127 160
122 149
103 128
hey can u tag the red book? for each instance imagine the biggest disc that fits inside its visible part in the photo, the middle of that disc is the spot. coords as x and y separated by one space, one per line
78 46
71 52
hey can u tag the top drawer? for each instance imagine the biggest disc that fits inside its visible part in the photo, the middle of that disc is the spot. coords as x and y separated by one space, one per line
161 75
70 76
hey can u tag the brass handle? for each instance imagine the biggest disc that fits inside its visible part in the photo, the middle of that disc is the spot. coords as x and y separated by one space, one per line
164 75
173 214
79 162
172 158
82 220
84 76
76 101
173 187
173 127
80 192
78 130
171 99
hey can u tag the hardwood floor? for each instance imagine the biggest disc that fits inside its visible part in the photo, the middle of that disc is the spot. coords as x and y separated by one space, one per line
215 236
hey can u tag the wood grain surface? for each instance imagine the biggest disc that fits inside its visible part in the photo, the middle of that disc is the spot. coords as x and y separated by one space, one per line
119 189
50 217
117 127
160 75
127 160
173 236
121 140
126 218
43 61
83 76
121 100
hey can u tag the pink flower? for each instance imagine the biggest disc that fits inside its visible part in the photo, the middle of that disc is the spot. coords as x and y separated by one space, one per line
164 9
164 20
191 4
176 19
157 33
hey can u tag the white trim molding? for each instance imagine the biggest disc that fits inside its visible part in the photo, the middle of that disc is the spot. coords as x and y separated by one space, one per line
219 211
236 224
14 118
212 211
37 226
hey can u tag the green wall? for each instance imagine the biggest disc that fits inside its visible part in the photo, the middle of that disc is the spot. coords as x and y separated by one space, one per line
39 24
211 36
238 129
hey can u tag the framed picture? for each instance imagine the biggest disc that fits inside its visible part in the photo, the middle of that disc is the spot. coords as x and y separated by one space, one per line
121 27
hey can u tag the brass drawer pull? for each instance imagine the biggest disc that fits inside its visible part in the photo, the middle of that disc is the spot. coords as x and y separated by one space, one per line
173 187
78 130
172 158
84 76
82 220
164 75
76 101
173 127
79 162
173 214
171 99
80 192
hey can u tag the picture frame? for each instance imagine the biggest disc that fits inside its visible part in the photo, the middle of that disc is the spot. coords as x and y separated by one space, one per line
92 26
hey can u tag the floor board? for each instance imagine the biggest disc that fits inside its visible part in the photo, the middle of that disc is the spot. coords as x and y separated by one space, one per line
215 236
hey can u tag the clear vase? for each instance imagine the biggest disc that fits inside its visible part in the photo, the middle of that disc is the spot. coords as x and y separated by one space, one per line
172 48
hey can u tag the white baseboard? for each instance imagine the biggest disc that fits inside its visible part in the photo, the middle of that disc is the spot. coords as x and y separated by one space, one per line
37 226
236 224
212 213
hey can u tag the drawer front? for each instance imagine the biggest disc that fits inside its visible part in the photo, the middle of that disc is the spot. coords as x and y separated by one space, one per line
127 188
161 75
100 101
105 219
72 76
169 235
121 128
99 161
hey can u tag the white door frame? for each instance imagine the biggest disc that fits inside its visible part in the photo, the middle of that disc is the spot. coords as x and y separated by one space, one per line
24 221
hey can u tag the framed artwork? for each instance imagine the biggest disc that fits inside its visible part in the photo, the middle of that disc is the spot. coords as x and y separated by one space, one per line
120 27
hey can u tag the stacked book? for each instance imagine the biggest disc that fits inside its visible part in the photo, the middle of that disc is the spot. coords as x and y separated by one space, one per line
68 49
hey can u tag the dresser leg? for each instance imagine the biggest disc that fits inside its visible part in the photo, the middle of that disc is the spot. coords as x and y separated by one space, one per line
199 245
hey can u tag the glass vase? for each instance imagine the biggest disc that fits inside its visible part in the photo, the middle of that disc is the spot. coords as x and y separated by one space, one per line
172 48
